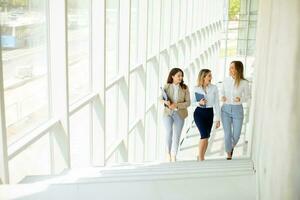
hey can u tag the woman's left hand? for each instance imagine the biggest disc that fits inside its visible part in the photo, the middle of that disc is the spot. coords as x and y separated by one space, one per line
218 124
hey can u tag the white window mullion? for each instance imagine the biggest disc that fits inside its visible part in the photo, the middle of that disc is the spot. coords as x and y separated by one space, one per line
124 49
60 138
158 113
144 61
98 81
4 174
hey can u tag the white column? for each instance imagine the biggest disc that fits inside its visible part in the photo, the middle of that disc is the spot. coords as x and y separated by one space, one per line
275 109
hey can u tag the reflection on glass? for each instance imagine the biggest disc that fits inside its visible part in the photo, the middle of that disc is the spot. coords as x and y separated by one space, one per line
78 48
24 59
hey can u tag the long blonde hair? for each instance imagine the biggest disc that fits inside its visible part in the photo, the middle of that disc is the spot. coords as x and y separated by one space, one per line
239 67
202 74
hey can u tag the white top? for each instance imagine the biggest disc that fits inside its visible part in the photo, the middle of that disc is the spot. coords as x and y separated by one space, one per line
175 89
230 91
212 96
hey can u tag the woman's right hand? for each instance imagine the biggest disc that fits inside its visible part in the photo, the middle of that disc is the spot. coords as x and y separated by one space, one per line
202 102
224 99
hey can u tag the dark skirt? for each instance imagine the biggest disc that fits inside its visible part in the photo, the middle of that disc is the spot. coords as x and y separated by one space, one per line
204 120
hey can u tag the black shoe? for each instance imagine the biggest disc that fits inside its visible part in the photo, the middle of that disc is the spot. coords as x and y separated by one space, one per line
231 152
228 158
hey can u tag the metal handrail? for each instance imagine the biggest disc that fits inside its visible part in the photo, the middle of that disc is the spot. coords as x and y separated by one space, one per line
186 133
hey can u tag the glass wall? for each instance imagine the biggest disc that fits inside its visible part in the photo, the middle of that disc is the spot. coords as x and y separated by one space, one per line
78 48
25 66
95 101
112 38
239 33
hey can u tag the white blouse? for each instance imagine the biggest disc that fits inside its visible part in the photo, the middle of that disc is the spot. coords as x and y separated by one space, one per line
175 89
212 96
230 91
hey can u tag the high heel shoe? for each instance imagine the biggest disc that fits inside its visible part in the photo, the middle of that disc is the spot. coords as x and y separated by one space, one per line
231 152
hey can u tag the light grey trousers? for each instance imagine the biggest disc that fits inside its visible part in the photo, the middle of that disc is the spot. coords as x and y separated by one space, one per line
173 124
232 119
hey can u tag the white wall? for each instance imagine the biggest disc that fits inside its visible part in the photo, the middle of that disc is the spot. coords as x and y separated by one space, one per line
276 110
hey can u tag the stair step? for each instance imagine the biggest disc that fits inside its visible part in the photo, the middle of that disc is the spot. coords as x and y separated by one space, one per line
184 165
175 168
211 179
150 171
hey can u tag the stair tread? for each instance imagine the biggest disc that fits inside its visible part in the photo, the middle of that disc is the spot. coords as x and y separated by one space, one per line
148 171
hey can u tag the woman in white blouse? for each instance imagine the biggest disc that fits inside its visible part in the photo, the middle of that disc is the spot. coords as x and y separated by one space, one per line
234 92
205 96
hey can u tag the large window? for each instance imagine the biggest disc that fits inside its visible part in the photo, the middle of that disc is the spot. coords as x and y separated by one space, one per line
183 14
136 96
78 48
25 68
35 160
80 134
153 27
238 42
112 38
134 33
175 20
112 121
166 24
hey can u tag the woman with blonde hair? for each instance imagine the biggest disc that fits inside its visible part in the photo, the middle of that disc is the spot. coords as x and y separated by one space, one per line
176 99
234 92
205 96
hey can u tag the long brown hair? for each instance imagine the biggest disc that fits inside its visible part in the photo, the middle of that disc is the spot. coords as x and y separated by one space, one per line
172 73
239 67
202 74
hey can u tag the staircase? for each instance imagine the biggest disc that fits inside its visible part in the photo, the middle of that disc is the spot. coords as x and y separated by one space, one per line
183 180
